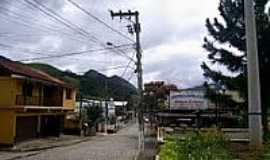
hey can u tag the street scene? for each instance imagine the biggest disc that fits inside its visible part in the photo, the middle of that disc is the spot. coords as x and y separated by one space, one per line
134 80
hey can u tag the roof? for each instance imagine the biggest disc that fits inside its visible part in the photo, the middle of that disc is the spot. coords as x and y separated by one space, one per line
24 70
196 88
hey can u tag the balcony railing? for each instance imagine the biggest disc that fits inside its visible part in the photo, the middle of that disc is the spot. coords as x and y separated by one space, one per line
52 101
38 101
27 100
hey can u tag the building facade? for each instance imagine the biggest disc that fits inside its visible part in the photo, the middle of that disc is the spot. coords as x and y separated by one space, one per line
32 103
190 99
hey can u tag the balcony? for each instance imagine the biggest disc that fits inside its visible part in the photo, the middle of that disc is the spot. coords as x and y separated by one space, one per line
38 101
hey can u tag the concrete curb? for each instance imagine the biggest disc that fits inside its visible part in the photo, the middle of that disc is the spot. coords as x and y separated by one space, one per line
23 156
45 147
36 151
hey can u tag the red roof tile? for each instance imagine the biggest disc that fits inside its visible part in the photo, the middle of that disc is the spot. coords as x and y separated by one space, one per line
24 70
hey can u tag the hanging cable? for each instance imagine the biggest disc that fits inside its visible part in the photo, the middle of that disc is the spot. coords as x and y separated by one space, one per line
99 20
69 54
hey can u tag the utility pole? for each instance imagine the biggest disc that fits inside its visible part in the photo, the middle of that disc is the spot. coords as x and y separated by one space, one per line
80 114
80 109
106 107
139 71
254 93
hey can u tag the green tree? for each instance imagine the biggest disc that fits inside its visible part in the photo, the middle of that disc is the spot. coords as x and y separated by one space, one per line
94 114
155 94
227 47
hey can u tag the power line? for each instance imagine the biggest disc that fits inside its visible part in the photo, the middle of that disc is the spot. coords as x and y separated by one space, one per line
54 16
128 65
27 25
114 68
64 19
25 22
107 69
22 49
30 6
50 56
50 13
70 54
99 20
122 53
130 77
60 19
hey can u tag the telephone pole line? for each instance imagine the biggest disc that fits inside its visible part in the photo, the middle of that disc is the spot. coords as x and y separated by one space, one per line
254 93
139 70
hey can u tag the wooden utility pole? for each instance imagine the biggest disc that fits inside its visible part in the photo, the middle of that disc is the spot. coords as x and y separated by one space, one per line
254 93
137 29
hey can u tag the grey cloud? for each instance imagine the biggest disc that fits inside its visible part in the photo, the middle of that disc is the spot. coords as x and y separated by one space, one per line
182 70
168 34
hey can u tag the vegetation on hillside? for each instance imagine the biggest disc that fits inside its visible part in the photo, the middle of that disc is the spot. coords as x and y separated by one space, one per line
92 83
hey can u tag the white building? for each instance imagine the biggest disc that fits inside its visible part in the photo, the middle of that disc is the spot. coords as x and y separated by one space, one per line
190 99
112 105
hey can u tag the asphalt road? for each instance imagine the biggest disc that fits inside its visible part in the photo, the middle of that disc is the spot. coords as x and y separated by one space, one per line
119 146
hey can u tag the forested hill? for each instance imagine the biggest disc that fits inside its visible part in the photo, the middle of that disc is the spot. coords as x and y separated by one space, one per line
92 83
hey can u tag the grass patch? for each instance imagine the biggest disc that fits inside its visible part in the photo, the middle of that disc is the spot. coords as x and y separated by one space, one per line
197 146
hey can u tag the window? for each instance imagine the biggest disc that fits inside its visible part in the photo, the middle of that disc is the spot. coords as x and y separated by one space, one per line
27 89
68 93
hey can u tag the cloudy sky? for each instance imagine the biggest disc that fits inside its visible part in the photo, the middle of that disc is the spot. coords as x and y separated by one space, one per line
172 36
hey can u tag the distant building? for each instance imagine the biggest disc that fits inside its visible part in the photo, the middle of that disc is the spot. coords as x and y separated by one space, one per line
32 103
112 105
195 99
190 99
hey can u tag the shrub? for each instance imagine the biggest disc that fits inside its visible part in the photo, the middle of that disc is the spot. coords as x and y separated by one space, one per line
266 151
168 151
197 146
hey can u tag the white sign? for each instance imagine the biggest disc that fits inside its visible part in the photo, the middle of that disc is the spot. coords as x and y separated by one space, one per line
188 100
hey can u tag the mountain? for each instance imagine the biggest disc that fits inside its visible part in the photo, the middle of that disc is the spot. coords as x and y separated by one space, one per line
120 87
66 76
92 83
95 84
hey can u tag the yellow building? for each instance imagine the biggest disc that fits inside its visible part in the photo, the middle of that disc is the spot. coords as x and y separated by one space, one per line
32 103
